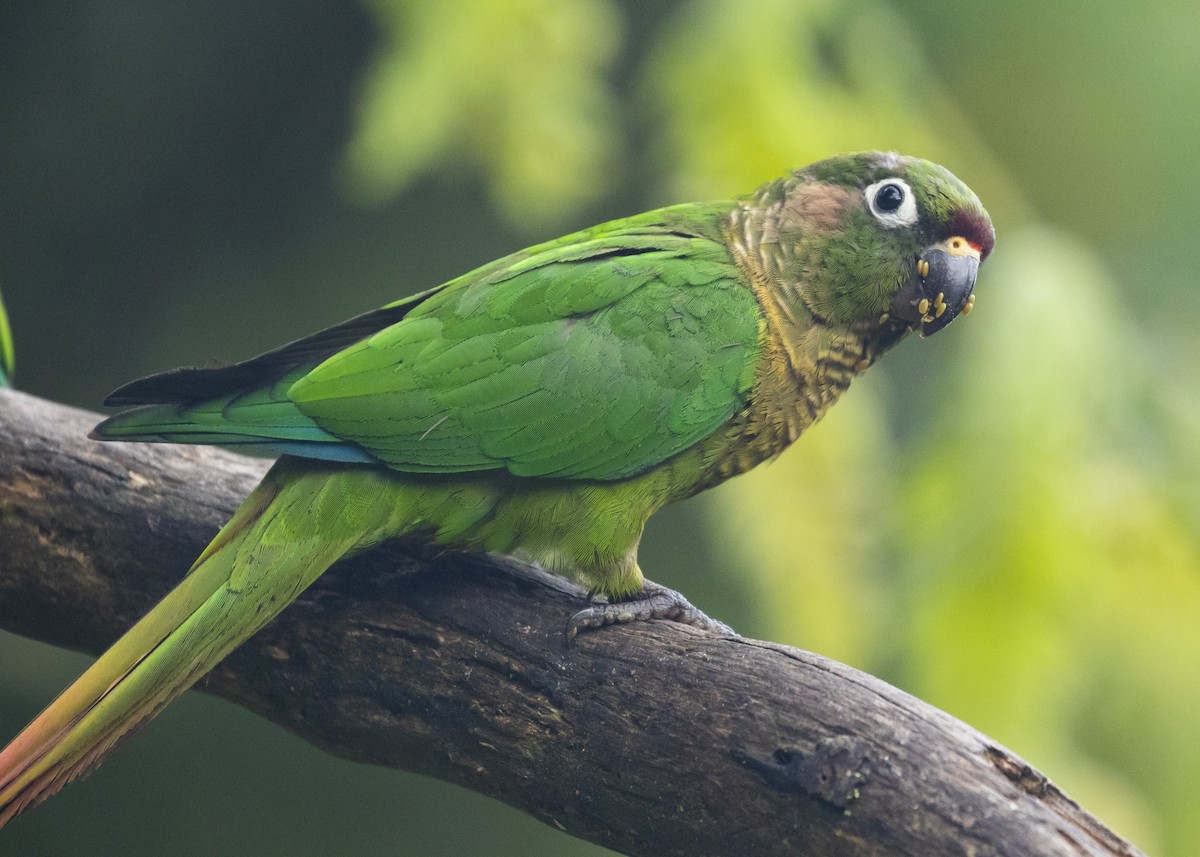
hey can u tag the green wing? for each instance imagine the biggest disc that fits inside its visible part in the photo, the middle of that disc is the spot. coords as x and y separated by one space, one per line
594 361
596 356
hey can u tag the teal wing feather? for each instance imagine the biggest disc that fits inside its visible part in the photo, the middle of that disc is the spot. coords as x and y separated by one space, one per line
595 356
245 404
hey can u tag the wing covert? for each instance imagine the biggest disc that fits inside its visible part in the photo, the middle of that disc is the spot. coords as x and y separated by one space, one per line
589 360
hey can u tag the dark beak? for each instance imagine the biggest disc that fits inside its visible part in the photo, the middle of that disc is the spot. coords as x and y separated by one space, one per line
942 288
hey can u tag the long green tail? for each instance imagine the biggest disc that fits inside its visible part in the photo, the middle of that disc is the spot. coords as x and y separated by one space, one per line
293 526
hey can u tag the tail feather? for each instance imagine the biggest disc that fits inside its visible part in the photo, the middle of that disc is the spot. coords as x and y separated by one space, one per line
173 424
277 543
265 417
274 425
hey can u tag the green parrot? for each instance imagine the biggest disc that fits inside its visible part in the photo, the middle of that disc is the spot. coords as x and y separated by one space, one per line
542 406
7 357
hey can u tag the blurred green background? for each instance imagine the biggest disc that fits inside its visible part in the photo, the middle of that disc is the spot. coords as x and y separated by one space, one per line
1003 520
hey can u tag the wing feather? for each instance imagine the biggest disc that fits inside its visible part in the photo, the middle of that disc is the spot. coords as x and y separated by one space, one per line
596 362
596 356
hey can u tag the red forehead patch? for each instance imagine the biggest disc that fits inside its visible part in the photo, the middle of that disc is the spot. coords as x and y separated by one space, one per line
976 228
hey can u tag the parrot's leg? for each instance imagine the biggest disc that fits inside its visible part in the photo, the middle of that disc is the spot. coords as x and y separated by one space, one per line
652 601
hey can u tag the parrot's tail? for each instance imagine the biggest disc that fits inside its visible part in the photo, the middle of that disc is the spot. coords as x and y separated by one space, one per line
293 526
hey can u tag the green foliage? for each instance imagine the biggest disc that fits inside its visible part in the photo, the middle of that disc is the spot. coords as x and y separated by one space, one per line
7 358
742 99
1048 610
516 89
821 579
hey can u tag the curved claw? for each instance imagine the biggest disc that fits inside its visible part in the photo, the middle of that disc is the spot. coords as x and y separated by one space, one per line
652 601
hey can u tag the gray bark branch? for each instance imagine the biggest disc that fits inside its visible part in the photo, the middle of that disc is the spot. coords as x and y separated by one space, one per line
652 739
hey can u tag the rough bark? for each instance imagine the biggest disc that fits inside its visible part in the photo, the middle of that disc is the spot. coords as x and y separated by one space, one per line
649 739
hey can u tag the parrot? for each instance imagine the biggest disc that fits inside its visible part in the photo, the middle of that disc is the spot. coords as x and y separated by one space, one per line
7 357
542 406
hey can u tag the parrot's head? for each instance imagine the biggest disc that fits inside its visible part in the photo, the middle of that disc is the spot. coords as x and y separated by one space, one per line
881 239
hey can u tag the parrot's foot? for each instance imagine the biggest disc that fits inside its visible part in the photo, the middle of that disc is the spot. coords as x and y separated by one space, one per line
651 602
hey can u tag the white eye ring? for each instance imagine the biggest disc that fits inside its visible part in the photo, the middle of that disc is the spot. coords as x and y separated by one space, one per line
903 215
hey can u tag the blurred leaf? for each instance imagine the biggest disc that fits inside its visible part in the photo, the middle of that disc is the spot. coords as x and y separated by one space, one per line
7 358
809 530
1054 592
748 89
515 88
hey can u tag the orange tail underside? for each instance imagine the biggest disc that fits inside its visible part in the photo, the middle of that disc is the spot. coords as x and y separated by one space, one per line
117 693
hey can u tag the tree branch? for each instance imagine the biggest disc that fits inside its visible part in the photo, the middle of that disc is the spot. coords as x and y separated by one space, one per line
648 739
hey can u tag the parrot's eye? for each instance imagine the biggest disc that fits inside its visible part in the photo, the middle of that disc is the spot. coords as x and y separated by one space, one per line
892 203
889 197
